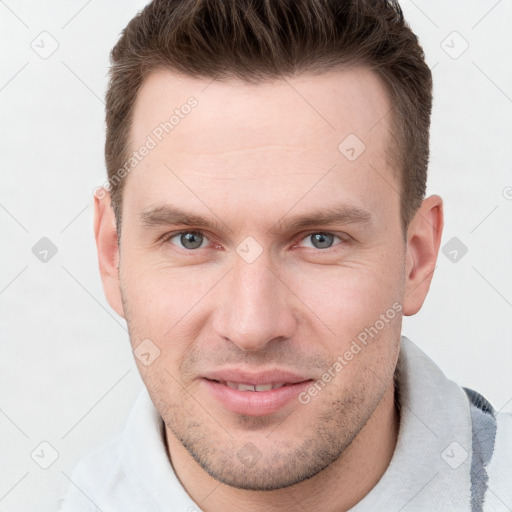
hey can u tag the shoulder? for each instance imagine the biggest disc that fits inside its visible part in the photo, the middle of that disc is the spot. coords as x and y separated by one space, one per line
115 476
491 465
499 468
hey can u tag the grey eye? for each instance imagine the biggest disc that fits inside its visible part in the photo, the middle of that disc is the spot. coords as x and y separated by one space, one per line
321 240
190 239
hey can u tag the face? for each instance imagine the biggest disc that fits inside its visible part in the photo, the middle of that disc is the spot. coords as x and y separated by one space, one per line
261 244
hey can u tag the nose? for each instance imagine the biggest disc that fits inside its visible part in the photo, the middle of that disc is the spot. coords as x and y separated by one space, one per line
257 308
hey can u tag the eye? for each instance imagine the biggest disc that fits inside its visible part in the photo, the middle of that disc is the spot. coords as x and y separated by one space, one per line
188 240
321 240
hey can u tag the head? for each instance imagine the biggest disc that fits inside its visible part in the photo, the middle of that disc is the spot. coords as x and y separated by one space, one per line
266 213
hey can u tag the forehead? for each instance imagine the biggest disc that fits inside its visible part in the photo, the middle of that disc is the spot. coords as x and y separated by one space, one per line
334 104
259 137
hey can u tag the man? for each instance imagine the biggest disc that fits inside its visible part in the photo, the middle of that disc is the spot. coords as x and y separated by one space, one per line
264 230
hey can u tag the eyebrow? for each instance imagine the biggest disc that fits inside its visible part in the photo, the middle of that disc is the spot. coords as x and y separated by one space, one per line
339 214
167 215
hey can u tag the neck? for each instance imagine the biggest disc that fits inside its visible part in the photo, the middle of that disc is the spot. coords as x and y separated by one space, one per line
337 488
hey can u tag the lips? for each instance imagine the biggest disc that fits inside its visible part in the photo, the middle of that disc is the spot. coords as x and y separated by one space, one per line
254 394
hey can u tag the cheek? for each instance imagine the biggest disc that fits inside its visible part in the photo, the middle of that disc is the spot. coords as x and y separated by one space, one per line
351 297
362 307
160 300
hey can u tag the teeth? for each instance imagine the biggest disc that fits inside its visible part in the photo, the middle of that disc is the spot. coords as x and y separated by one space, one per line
232 385
245 387
263 387
250 387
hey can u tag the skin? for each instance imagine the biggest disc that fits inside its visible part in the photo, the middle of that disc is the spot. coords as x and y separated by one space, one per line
249 156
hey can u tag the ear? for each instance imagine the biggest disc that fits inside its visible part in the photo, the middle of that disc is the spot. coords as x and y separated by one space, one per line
105 233
423 240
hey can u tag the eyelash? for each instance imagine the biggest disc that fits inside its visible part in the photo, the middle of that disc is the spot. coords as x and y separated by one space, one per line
344 239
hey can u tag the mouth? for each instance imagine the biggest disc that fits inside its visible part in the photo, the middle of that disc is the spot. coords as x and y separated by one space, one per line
255 399
252 387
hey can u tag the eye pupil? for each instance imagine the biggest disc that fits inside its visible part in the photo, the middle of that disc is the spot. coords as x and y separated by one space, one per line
323 239
191 240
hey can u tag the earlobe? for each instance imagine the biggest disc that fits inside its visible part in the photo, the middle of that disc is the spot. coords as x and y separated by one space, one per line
423 240
105 234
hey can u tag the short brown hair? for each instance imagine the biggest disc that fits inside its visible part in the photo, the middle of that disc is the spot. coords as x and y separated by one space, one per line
268 39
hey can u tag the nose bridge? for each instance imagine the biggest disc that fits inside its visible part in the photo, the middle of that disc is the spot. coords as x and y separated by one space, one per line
256 309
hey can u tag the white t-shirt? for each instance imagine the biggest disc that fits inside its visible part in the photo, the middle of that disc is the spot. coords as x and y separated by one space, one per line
453 453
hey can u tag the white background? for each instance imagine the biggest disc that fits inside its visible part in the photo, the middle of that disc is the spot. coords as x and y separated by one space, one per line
67 372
